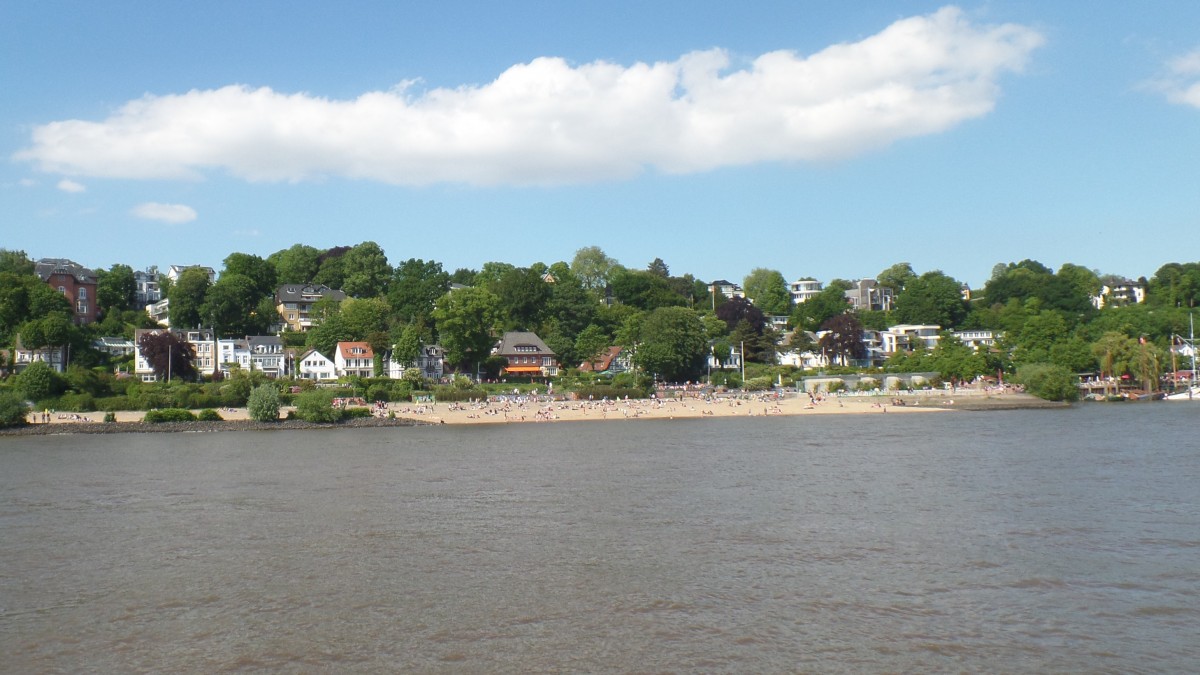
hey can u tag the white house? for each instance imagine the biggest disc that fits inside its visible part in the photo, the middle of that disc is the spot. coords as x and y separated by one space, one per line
160 311
354 359
55 357
803 290
177 271
905 337
266 355
726 288
313 365
233 354
1126 292
430 363
977 339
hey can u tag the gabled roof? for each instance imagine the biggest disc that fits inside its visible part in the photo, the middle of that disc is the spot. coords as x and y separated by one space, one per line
310 352
46 267
602 362
346 349
306 292
512 340
271 341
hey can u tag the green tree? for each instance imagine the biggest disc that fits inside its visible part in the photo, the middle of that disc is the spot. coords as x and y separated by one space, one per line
830 302
523 298
931 299
658 268
363 316
408 345
296 265
367 271
15 262
1114 352
769 291
464 324
329 327
954 360
263 403
896 277
415 287
187 297
39 381
261 272
1048 381
332 271
593 267
1175 285
230 307
116 288
591 343
673 344
643 290
13 411
317 406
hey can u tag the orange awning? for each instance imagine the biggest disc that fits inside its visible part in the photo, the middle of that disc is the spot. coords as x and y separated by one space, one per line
523 369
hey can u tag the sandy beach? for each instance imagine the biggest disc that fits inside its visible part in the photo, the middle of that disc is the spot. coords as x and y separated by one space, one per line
517 410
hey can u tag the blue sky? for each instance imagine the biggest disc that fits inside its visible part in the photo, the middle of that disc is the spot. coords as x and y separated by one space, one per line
822 139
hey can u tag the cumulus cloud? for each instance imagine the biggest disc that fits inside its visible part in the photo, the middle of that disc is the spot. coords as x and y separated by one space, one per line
1181 83
167 213
548 121
67 185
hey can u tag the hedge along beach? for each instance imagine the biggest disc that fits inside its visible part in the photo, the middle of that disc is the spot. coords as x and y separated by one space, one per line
528 409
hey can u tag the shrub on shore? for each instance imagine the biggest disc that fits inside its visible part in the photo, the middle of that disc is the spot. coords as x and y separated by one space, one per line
169 415
12 410
1048 381
263 404
317 406
209 415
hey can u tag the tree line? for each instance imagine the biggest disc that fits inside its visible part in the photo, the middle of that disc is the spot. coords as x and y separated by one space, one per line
673 323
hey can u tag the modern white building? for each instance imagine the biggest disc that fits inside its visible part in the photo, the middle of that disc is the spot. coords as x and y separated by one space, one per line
803 290
906 337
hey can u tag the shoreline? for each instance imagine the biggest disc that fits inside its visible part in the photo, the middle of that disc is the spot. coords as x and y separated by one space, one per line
530 412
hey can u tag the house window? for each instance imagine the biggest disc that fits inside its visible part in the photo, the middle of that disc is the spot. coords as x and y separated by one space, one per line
62 289
83 293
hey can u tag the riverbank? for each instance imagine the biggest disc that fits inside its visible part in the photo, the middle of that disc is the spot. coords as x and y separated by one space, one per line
521 410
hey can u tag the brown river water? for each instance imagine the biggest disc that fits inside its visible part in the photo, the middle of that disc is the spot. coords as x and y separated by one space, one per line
1017 541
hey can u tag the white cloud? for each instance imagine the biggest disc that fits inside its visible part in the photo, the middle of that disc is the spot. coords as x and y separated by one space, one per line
548 121
1181 84
67 185
167 213
27 182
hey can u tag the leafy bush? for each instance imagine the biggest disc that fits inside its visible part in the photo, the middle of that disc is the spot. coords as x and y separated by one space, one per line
453 394
356 413
112 403
39 381
77 402
169 415
379 392
263 404
600 391
110 417
1048 381
209 415
13 410
317 406
759 383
